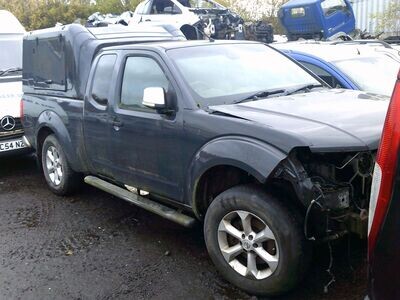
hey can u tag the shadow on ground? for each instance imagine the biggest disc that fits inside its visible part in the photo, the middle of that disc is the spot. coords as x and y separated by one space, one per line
93 245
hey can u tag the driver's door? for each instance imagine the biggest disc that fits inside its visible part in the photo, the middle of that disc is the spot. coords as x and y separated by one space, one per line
147 144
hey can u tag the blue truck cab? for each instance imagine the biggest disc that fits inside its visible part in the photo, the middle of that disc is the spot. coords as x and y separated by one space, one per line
316 19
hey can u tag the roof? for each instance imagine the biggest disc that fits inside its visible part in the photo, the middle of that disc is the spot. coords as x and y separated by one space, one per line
294 3
328 51
140 31
9 24
168 45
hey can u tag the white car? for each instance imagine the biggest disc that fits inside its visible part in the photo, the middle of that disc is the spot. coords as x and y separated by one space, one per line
11 131
199 19
208 16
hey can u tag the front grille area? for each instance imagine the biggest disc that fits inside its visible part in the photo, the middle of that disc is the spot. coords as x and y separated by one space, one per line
18 125
11 134
16 132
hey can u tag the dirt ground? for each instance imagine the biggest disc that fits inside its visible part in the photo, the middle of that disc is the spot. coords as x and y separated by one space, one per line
95 246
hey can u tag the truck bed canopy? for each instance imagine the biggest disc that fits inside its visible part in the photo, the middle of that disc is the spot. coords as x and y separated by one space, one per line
57 61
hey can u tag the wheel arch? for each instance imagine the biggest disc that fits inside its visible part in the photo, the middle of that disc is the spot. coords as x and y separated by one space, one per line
226 162
50 123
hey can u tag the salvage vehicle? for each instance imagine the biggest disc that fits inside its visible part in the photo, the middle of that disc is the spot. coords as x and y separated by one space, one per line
270 158
317 19
199 19
349 66
11 131
384 213
99 20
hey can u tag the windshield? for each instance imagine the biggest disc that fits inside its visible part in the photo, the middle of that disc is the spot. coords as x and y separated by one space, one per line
373 74
224 74
201 4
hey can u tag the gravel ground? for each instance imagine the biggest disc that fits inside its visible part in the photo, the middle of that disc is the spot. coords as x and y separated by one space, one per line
95 246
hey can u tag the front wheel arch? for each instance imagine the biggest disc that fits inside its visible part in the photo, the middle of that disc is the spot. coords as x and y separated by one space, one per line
252 158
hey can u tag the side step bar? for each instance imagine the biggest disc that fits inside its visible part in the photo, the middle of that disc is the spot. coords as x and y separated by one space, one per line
145 203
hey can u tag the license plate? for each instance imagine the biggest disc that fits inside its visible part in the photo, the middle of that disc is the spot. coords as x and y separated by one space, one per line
11 145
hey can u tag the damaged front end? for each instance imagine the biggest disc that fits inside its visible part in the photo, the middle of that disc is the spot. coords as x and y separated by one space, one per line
219 23
334 188
223 24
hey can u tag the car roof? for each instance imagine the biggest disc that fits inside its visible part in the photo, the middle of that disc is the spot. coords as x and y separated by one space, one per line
9 24
168 45
294 3
332 52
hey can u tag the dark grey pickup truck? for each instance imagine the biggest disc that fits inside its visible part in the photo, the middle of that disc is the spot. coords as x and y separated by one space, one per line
233 134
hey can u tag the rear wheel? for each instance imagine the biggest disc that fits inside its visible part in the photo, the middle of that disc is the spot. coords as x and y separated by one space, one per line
255 241
60 178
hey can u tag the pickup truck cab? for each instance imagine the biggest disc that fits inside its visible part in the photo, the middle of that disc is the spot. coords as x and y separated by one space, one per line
11 131
233 134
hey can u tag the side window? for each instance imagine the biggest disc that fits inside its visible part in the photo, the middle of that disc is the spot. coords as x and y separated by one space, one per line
101 79
329 7
297 12
140 73
164 7
324 75
48 64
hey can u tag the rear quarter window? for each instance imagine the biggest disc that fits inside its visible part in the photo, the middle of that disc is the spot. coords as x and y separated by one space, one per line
101 80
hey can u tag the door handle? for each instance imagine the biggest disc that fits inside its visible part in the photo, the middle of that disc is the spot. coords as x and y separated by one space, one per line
117 124
147 20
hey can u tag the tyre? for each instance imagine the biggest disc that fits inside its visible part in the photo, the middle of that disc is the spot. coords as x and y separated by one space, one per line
60 178
256 241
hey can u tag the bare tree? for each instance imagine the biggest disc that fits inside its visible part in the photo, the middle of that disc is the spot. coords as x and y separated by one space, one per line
388 21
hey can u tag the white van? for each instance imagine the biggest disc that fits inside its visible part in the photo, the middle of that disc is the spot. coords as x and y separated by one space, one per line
11 131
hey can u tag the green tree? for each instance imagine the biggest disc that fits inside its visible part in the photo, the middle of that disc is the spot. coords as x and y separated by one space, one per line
38 14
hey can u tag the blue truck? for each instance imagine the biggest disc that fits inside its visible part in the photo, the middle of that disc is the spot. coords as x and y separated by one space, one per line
317 19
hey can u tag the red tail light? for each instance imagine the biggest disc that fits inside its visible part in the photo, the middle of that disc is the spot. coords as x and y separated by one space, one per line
385 168
21 110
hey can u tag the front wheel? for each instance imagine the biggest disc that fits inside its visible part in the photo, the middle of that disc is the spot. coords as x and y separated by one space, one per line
60 178
255 241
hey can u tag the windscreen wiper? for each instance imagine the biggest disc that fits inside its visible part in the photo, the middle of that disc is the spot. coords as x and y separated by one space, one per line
306 88
259 95
10 70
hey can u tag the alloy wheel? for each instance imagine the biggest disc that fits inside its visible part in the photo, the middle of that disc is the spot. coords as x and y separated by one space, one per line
248 245
54 165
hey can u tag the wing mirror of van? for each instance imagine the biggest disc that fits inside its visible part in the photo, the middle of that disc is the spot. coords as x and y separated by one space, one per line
154 97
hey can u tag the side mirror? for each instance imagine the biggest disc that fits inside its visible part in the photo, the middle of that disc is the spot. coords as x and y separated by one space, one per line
154 97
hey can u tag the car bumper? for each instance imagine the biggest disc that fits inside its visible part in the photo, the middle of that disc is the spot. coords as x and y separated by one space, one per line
13 151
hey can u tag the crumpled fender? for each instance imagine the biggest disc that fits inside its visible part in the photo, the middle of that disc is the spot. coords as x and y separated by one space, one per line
257 158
